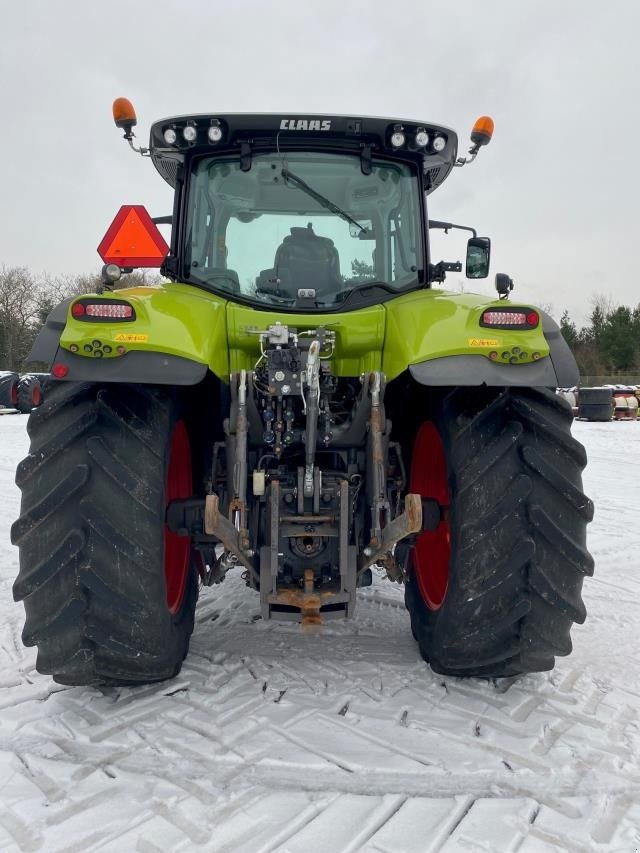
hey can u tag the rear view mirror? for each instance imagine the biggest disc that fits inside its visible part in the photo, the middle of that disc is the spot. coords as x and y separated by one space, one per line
478 256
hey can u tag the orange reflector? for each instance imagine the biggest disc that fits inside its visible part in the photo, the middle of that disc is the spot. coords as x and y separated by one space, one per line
482 130
132 240
124 114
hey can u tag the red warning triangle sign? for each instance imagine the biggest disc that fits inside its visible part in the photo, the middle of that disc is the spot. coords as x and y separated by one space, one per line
133 240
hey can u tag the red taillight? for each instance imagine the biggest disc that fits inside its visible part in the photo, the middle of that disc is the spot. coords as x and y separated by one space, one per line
14 393
504 318
59 370
507 318
116 311
105 309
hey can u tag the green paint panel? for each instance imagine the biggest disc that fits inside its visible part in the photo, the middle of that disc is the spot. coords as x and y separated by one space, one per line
359 336
429 324
179 319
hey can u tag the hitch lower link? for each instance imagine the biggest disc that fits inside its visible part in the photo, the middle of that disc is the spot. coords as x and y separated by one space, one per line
385 532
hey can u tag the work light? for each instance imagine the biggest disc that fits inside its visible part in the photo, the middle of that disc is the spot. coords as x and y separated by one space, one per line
190 133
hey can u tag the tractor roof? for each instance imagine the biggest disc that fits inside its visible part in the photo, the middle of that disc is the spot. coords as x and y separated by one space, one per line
241 134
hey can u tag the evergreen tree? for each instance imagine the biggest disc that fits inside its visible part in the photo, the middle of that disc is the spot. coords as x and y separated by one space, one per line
617 340
568 329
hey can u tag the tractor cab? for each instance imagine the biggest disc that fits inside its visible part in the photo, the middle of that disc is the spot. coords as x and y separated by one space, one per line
304 213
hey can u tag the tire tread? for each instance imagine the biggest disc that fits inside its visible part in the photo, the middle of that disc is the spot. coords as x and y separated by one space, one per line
91 543
518 526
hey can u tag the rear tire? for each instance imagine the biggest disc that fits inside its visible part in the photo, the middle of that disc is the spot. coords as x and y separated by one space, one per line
101 605
517 525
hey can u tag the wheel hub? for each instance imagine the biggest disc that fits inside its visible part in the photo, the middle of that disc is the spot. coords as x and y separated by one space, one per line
432 552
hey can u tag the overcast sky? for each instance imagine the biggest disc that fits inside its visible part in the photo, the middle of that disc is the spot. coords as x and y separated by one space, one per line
557 190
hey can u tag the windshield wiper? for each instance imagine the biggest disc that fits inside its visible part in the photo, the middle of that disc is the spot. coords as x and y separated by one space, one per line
329 205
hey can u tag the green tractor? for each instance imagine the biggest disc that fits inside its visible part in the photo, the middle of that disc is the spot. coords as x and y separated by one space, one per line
299 401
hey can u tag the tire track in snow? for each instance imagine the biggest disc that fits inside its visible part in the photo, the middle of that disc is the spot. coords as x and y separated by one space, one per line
269 737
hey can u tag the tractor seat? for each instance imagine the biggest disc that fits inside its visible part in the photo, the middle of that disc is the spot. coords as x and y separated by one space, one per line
305 260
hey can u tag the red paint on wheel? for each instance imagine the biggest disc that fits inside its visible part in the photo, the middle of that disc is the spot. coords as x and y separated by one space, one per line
432 551
177 549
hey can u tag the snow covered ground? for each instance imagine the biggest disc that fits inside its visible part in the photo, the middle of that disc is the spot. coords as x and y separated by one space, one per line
273 739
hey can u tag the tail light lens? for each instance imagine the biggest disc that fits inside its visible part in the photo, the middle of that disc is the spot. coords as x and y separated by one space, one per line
510 318
103 310
14 393
118 312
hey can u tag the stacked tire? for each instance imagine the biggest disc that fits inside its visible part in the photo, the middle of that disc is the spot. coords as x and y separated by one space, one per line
570 396
595 404
9 382
29 393
626 405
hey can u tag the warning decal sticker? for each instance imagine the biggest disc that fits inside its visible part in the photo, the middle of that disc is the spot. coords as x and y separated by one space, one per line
483 342
130 338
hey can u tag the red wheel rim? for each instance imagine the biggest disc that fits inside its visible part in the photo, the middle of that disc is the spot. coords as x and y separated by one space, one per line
432 551
177 549
36 396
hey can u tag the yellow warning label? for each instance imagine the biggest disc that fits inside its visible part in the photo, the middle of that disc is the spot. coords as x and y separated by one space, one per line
127 338
483 342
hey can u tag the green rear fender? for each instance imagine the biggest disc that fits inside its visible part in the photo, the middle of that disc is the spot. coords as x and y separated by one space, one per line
437 335
177 320
430 324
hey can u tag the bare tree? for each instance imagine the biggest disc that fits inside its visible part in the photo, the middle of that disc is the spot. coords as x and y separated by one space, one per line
21 294
81 283
603 303
26 300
